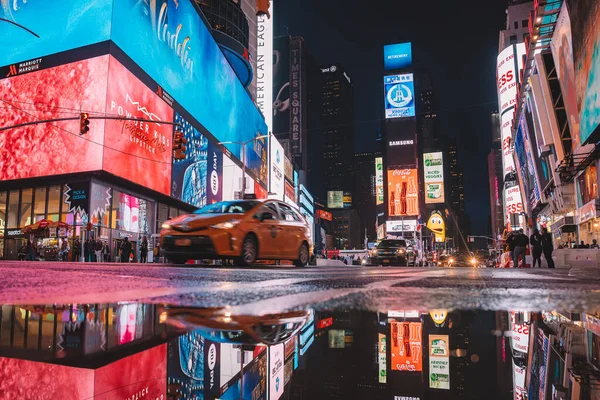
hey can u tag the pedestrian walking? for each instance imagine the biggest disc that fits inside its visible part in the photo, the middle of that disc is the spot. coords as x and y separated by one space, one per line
144 250
76 250
521 243
87 250
510 242
105 252
547 247
30 251
125 250
98 250
536 247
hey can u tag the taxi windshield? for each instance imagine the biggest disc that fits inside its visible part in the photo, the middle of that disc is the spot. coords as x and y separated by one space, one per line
228 207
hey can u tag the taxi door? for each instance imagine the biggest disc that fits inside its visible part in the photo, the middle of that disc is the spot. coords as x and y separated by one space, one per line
293 232
268 231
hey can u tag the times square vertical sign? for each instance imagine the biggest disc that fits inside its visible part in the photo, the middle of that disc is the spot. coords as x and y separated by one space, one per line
296 119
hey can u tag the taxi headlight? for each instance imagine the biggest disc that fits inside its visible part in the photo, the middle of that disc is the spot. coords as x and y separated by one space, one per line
374 252
473 261
400 251
451 260
166 226
227 224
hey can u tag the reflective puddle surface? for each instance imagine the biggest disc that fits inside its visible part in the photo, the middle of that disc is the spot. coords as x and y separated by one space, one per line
153 351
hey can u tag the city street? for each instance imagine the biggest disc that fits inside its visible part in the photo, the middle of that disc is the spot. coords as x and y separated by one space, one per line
261 290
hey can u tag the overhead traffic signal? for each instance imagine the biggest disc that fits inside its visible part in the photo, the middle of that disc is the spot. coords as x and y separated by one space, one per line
84 123
179 147
262 8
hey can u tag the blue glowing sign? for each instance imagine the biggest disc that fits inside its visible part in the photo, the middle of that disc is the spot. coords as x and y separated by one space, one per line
399 96
60 25
171 43
397 56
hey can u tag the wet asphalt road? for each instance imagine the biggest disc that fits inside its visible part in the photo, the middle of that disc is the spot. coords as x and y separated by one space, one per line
261 290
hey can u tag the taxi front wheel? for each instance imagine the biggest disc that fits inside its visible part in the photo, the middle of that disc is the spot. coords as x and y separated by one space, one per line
249 251
303 256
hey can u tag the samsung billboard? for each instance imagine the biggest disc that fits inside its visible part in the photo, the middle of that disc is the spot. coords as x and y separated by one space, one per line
397 56
399 96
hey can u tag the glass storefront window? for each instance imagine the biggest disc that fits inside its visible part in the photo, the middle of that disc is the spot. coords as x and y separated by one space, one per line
130 213
3 198
172 212
26 207
39 209
13 209
163 215
53 203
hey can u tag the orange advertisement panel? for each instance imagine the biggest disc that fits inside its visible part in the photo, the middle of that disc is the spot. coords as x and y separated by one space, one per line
407 346
403 192
326 215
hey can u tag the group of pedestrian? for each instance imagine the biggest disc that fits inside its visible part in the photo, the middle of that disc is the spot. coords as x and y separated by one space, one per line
541 243
95 250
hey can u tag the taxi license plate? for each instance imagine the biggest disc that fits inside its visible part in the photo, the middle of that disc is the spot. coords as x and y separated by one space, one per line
386 261
183 242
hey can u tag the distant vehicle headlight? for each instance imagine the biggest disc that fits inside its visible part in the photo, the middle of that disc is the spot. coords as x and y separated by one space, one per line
473 261
374 252
451 260
227 224
364 261
400 251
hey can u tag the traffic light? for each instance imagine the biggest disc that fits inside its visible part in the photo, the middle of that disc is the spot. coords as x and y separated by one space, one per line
179 146
84 123
262 8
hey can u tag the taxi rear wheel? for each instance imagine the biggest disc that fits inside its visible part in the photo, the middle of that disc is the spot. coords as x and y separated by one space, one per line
249 250
303 256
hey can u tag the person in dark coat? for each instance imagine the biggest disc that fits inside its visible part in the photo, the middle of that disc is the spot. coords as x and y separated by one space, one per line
536 247
510 242
144 250
87 250
125 250
76 250
30 251
521 243
547 247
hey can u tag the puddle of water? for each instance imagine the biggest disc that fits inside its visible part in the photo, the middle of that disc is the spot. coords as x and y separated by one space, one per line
150 351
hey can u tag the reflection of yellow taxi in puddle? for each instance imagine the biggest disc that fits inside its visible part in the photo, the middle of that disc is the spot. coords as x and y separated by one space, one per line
243 230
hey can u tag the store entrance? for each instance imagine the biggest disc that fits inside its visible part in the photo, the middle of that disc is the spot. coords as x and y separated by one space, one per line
13 248
116 250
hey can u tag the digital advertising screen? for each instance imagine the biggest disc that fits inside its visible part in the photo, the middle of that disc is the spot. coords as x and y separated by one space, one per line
439 362
399 96
397 56
185 366
137 151
401 145
335 199
173 45
61 29
433 164
403 192
276 371
214 175
189 176
406 346
585 31
277 167
58 92
379 180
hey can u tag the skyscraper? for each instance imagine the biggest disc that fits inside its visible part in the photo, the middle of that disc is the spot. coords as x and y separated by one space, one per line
365 195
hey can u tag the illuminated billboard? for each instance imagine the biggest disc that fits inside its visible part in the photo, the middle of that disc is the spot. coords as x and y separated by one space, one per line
276 371
433 164
397 56
326 215
264 66
399 96
439 362
382 357
403 192
406 346
379 180
277 168
335 199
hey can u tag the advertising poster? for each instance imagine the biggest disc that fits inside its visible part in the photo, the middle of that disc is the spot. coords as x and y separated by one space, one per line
585 30
264 66
335 199
212 374
520 335
289 170
407 346
189 176
399 96
347 200
507 145
326 215
90 24
518 382
562 52
174 47
439 362
74 86
397 56
382 357
138 151
185 366
290 192
506 73
276 176
214 175
433 164
76 198
398 227
100 200
281 85
403 192
379 180
276 371
255 382
436 224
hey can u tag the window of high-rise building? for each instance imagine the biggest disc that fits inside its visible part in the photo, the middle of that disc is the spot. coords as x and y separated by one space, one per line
516 24
524 23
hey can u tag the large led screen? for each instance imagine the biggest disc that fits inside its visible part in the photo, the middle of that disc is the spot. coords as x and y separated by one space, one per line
276 160
173 46
399 96
138 151
403 192
397 56
65 25
407 346
379 180
433 167
52 148
585 30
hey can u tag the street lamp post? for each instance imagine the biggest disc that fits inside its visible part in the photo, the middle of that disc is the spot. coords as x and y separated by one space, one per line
243 158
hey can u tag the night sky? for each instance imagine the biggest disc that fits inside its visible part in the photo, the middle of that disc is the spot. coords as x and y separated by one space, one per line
457 42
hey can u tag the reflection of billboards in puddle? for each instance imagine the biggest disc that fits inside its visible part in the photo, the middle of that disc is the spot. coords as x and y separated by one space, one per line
406 346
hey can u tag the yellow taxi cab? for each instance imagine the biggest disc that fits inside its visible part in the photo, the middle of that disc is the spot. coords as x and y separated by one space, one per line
242 230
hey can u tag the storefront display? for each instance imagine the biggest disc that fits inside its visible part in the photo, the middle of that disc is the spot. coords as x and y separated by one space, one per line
49 239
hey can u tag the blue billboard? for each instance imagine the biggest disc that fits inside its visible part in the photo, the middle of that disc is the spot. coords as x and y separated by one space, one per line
37 29
397 56
399 96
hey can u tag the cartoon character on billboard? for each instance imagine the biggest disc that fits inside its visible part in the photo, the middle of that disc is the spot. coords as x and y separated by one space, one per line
437 226
438 317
